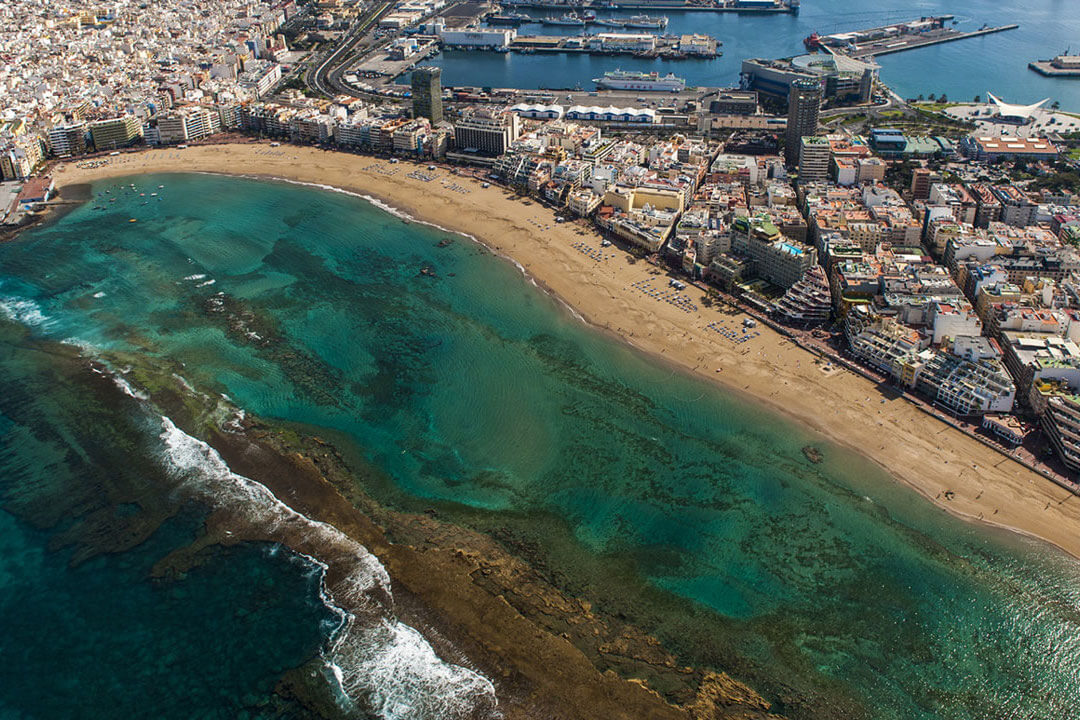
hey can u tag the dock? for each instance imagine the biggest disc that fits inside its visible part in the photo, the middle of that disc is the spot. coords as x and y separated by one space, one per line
1067 66
888 46
637 44
730 6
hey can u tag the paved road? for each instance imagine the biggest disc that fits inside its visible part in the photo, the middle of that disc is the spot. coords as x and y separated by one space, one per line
325 78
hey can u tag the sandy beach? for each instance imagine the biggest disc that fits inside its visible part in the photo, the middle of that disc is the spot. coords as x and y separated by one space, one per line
917 449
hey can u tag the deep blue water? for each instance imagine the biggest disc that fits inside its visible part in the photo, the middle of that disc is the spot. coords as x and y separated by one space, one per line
102 638
961 69
676 505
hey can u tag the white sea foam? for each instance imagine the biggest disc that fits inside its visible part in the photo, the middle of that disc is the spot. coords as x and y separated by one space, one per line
128 389
99 295
25 311
186 385
403 679
88 350
211 281
198 276
373 658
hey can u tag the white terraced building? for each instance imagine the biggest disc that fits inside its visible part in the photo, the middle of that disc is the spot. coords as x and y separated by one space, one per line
596 113
538 112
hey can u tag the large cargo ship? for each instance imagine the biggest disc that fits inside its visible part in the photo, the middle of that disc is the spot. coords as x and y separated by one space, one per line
625 80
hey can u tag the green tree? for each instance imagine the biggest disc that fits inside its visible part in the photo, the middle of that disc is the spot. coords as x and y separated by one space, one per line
1055 105
977 99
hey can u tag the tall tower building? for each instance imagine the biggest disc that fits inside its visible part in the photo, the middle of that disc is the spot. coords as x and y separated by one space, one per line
427 93
804 103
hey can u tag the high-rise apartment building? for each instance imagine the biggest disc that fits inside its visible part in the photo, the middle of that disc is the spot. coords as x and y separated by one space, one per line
486 131
187 123
68 139
427 93
804 103
920 183
114 133
814 154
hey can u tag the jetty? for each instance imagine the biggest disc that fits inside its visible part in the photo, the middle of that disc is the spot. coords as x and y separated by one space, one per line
1064 65
933 37
897 37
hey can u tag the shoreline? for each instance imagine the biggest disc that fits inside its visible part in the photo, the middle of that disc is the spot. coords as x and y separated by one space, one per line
989 487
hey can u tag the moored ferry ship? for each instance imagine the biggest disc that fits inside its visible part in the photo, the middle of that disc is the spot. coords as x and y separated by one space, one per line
646 22
567 19
626 80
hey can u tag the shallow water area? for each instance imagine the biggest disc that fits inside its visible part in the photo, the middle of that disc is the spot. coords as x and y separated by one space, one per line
685 508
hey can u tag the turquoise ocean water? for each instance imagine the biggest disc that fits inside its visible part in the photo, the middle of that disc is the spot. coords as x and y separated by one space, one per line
830 588
996 63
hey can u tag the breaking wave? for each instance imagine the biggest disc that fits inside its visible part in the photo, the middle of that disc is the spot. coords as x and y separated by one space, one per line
24 311
378 664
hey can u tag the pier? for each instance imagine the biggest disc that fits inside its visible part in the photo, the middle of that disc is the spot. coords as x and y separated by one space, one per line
911 42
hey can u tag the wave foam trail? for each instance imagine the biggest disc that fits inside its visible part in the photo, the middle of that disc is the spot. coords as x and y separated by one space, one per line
376 660
24 311
403 679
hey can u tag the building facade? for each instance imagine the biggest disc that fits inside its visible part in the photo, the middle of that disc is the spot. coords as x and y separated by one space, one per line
804 104
486 131
115 133
427 93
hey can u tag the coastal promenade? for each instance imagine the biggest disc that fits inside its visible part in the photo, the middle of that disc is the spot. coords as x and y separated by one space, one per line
921 450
